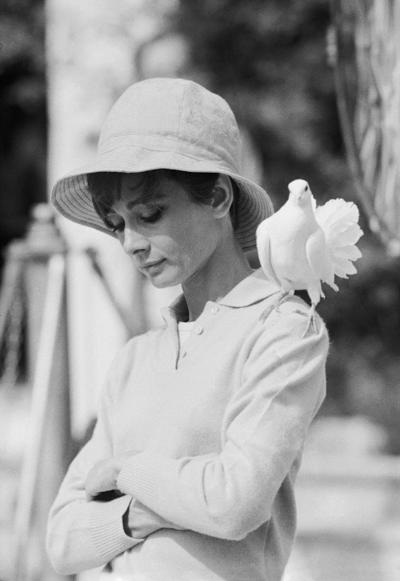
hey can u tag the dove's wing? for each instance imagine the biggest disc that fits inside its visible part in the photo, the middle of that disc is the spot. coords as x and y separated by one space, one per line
339 221
317 255
263 242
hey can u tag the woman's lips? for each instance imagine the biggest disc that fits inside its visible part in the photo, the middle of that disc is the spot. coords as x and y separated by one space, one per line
151 266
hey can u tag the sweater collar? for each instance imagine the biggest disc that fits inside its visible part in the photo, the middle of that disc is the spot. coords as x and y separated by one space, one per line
254 288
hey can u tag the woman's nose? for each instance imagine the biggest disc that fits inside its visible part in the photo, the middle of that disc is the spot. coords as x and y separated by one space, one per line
134 243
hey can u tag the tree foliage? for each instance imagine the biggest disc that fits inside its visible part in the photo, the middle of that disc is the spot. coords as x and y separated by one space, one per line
268 58
22 113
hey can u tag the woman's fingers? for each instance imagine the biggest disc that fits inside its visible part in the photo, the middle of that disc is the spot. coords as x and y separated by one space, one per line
102 477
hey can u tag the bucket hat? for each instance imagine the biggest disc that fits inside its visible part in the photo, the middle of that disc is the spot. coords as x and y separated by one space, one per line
166 123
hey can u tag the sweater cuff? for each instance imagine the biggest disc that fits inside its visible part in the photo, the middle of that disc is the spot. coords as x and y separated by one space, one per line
140 476
106 527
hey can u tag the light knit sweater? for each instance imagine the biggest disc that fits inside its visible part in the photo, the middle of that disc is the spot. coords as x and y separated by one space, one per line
216 430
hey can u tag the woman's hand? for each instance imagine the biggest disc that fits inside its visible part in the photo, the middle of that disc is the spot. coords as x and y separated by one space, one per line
102 477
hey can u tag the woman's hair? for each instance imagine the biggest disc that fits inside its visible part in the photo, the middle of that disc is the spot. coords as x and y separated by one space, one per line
105 188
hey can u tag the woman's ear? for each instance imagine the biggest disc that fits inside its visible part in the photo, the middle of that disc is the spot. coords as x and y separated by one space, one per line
222 196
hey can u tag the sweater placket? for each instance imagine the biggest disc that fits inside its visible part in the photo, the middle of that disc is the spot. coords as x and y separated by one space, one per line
199 332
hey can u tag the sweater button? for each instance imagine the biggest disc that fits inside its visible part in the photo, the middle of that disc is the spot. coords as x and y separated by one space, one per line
214 309
198 329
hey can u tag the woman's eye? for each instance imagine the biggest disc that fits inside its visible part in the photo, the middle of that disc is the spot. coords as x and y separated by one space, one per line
151 216
114 223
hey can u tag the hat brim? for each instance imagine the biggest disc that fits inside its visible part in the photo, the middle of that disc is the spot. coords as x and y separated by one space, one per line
71 196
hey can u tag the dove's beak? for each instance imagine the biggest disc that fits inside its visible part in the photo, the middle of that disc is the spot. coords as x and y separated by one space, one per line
296 195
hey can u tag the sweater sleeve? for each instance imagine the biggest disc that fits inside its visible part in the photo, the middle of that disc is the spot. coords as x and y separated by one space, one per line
230 493
83 534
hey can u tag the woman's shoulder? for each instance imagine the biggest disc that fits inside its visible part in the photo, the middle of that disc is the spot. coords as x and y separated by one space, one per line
286 333
291 316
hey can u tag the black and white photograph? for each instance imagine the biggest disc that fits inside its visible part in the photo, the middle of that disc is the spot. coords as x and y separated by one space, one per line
200 290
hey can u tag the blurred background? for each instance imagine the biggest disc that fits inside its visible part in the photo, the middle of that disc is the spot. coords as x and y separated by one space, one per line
316 90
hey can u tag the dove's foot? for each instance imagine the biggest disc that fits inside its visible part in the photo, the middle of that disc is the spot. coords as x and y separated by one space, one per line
312 322
283 296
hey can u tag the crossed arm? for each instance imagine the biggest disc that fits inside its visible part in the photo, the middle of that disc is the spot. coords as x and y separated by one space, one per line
87 528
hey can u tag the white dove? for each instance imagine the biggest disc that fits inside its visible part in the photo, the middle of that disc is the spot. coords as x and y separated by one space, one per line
302 245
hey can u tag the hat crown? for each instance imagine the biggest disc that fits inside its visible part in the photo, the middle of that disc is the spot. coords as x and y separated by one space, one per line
175 116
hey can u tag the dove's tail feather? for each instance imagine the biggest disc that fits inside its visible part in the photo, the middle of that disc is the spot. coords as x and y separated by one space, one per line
339 221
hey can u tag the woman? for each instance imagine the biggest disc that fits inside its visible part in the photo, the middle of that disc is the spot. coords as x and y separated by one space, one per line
190 470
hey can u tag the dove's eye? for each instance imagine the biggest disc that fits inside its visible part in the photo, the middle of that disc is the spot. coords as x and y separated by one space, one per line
306 188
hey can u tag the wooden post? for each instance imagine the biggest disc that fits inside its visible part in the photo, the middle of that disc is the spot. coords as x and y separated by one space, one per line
47 449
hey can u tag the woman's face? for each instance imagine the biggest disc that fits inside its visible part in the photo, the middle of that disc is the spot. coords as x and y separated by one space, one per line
169 237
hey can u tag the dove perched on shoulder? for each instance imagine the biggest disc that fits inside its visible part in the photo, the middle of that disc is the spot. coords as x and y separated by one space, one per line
302 245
